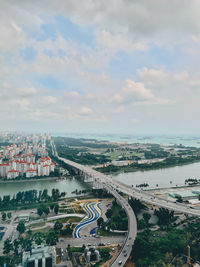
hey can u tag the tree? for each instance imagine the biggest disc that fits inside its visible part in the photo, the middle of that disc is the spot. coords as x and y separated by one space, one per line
69 251
29 232
58 226
8 247
21 227
109 213
68 230
38 238
40 211
46 210
9 215
56 209
136 205
3 216
26 243
146 217
16 246
165 216
52 206
51 238
141 224
105 253
100 222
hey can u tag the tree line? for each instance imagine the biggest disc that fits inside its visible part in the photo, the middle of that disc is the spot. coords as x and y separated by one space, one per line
30 197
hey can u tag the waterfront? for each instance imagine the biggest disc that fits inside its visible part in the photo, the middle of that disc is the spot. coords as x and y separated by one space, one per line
67 186
162 177
186 140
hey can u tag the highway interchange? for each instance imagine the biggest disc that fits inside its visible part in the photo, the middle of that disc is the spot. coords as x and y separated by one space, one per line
114 187
126 247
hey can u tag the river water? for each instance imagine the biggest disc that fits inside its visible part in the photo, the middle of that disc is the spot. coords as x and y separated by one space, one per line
67 186
162 177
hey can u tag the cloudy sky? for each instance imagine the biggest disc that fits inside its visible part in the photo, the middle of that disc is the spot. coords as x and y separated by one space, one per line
99 66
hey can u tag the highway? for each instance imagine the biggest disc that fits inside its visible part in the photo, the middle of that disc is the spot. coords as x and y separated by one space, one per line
93 213
133 192
114 187
105 181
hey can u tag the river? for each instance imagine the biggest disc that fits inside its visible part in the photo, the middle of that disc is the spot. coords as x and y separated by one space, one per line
67 186
162 177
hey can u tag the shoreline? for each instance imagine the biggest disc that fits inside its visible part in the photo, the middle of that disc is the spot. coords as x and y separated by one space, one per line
29 180
172 187
148 169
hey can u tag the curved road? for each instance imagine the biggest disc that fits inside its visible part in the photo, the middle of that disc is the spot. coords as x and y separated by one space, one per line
133 192
93 213
126 248
113 186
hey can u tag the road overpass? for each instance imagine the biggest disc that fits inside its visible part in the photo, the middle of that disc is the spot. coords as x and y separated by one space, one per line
105 181
114 187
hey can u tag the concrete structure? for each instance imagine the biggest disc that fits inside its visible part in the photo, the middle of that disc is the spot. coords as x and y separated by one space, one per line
31 173
40 256
114 186
106 182
12 174
185 195
24 164
91 254
23 217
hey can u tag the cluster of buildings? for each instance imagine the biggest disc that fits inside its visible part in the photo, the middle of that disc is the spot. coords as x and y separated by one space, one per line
26 159
41 256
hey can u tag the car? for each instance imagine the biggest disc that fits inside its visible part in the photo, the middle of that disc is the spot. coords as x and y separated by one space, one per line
120 262
127 245
125 254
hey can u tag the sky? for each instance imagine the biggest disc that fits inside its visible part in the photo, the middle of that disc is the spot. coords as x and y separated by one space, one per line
99 66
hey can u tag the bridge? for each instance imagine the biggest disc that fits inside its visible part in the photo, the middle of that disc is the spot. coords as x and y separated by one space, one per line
92 175
114 187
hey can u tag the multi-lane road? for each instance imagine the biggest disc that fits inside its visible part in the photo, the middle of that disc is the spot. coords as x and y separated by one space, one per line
126 248
114 187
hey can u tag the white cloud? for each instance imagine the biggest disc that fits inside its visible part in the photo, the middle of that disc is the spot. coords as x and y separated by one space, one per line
117 42
72 94
20 102
48 99
137 19
132 92
27 91
91 91
84 111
